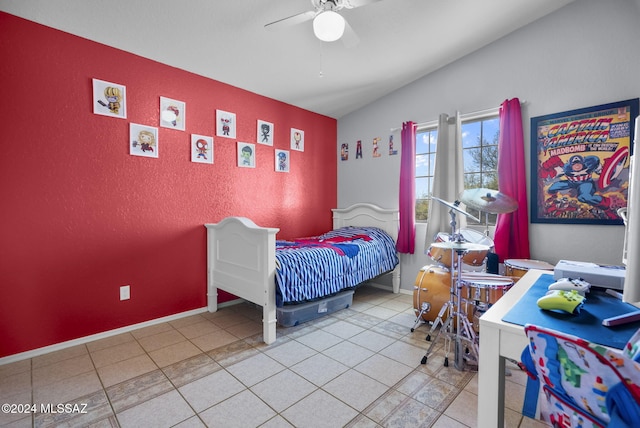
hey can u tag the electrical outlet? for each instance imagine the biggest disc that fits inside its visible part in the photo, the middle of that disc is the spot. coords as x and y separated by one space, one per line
125 292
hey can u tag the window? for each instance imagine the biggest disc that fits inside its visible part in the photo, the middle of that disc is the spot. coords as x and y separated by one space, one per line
425 164
480 154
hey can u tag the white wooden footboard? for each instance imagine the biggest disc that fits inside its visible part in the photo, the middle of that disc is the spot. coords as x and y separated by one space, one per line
241 260
241 257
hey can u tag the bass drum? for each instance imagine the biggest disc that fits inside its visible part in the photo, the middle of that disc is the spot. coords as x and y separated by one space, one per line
433 289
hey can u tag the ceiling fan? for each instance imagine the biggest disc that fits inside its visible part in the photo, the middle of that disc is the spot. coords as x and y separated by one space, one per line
328 24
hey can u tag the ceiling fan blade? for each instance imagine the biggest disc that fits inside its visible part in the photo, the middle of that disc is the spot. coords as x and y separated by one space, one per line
352 4
291 20
349 39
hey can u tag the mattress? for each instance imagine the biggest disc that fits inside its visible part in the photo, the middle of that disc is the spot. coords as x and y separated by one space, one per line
311 268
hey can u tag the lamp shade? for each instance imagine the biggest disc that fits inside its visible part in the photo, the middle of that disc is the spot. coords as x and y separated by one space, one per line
328 26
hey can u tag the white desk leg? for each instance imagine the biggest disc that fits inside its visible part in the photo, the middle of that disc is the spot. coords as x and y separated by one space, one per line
490 379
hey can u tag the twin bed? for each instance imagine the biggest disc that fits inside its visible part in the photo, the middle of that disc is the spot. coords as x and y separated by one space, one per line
247 261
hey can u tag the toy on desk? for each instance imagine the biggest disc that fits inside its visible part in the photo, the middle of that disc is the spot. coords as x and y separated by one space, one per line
567 301
568 284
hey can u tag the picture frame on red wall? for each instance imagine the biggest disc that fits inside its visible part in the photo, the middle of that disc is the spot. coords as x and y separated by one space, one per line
109 99
283 160
201 149
265 133
143 140
246 155
297 139
173 113
225 124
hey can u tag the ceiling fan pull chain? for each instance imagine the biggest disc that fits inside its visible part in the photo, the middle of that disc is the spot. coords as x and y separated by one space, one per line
321 75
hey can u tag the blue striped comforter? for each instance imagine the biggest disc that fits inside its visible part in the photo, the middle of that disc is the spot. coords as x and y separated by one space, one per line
311 268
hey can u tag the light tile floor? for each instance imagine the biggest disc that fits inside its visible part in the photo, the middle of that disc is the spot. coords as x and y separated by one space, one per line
358 367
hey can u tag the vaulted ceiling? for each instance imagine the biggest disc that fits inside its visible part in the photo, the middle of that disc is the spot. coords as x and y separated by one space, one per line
399 41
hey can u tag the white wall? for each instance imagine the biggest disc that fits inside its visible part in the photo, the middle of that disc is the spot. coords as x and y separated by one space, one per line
585 54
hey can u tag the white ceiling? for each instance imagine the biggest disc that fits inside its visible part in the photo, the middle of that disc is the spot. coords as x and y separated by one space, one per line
225 40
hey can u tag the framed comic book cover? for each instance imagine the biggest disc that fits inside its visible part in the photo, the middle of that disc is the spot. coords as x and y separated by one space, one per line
580 164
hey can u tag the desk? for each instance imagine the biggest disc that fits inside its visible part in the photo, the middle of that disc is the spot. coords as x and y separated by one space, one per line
499 340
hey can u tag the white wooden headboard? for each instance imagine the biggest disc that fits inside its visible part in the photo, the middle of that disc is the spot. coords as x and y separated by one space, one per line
367 215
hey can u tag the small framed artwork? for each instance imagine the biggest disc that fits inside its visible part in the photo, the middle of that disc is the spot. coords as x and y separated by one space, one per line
172 113
246 155
109 99
282 160
201 149
580 164
297 139
265 133
344 151
225 124
143 140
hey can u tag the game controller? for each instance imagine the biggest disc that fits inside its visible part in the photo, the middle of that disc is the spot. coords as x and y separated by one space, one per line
568 284
568 301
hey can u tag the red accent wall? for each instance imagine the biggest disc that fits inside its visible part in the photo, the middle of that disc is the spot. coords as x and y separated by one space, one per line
80 216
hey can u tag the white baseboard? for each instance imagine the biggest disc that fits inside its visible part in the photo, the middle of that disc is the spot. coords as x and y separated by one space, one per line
82 340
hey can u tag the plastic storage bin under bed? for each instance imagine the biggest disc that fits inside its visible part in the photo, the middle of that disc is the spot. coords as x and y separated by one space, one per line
291 315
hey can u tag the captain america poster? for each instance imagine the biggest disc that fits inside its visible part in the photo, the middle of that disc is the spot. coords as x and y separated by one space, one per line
581 164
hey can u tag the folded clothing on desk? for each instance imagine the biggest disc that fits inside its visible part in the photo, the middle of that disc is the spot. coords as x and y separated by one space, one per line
587 324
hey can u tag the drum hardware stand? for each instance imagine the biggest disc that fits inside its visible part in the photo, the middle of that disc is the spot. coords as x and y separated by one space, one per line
425 306
486 223
448 305
464 331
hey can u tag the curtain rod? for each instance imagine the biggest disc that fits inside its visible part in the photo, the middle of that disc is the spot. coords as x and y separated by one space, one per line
466 116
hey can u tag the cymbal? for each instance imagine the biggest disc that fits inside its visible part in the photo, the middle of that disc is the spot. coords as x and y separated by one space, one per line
459 246
456 208
489 200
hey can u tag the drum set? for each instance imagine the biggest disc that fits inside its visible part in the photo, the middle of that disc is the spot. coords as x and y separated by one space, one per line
458 282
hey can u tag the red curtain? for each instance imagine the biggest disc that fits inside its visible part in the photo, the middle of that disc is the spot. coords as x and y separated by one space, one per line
407 205
511 238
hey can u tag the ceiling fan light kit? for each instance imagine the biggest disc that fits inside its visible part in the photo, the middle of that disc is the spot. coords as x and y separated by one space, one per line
328 26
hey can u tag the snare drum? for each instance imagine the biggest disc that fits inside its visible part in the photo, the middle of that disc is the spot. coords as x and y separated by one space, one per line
516 268
471 258
484 289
